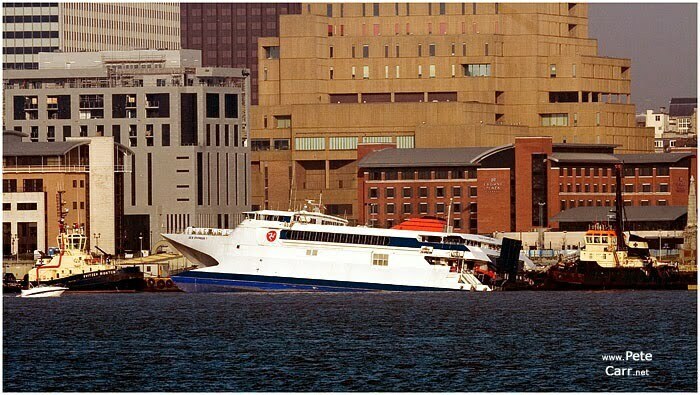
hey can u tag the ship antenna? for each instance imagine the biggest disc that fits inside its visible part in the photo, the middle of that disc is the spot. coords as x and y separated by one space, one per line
449 217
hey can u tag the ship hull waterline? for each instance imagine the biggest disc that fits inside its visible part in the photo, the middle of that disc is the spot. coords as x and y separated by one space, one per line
194 281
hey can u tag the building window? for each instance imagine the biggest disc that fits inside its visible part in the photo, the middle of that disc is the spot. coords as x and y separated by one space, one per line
431 49
439 208
423 192
456 191
440 192
272 52
283 121
365 72
432 71
27 206
661 203
212 105
407 208
552 70
231 106
373 193
365 51
472 191
629 188
423 208
309 143
407 192
476 70
663 187
555 119
646 187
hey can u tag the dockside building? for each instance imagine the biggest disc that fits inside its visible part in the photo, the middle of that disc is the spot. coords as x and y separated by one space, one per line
520 187
185 124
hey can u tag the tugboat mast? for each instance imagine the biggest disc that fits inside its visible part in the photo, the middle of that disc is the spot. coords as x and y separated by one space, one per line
619 209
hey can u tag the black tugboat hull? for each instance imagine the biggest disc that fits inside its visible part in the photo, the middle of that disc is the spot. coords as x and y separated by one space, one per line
125 279
591 276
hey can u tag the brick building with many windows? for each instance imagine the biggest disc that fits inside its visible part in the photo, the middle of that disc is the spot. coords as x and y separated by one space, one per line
514 187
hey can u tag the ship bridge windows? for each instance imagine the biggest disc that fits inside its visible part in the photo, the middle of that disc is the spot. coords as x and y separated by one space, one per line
275 218
453 240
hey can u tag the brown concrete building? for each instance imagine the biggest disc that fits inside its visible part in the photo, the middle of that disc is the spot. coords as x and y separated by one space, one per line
425 75
502 189
227 33
89 170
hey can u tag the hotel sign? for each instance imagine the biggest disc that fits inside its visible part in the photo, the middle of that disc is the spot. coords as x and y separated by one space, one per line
493 185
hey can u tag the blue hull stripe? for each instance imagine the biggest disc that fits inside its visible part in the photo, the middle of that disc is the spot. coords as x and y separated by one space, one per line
194 281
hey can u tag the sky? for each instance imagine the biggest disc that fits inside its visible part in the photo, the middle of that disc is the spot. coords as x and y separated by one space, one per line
661 40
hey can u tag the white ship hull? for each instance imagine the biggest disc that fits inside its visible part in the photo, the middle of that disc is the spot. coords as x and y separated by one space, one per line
264 256
43 292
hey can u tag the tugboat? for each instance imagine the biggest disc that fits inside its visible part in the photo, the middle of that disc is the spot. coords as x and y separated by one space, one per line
76 269
613 259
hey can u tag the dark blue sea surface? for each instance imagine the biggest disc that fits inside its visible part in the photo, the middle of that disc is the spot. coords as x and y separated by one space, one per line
518 341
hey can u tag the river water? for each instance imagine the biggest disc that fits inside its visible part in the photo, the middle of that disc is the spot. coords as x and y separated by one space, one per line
508 341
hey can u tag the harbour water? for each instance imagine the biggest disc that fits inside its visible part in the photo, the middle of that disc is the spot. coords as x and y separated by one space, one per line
518 341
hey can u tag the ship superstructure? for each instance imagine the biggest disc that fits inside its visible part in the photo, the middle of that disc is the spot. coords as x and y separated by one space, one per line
312 251
76 268
613 259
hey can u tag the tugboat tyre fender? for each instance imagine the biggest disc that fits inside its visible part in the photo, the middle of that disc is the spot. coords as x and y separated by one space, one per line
168 283
161 284
151 282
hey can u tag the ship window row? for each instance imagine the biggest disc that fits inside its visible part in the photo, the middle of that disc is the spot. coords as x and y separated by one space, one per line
335 237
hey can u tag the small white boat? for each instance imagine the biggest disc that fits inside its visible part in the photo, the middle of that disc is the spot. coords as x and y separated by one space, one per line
43 291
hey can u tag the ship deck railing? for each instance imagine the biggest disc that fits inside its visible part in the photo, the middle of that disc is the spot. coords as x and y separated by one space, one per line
208 231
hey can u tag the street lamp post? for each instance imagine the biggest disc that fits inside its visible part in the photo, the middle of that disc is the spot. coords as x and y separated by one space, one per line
141 244
541 238
15 239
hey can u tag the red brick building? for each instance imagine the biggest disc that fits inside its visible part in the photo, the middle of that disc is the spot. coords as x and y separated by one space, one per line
515 187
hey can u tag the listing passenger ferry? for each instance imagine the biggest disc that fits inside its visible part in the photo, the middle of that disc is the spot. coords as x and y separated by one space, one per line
311 251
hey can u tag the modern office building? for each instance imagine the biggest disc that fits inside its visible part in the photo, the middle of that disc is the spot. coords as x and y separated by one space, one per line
90 172
426 75
227 33
521 186
30 28
185 124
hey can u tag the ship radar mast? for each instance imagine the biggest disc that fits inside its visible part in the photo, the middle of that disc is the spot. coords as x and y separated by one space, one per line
619 209
62 213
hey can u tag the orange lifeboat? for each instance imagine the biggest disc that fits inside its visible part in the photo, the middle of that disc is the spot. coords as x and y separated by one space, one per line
425 224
